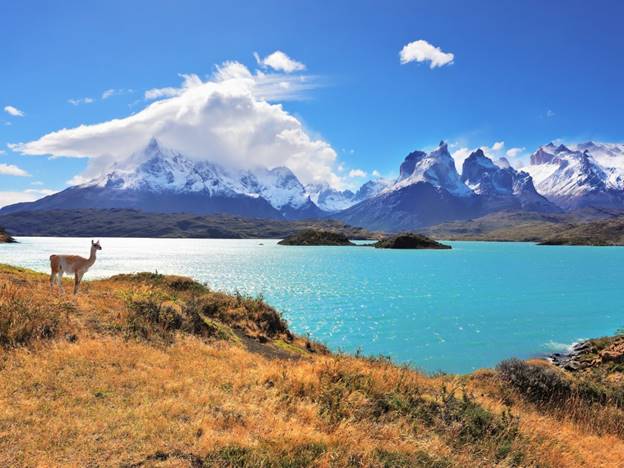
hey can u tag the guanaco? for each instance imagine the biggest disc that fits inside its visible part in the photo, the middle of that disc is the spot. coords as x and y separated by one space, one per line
75 264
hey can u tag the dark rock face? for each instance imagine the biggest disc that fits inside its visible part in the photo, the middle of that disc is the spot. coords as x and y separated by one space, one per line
410 241
411 207
409 164
312 237
502 188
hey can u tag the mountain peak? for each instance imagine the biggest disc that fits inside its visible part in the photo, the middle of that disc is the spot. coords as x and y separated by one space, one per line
153 145
562 149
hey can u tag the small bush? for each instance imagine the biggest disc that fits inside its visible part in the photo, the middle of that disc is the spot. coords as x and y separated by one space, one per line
420 459
246 457
538 384
23 320
151 314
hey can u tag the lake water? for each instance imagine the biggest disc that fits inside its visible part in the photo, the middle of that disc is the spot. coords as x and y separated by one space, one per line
454 310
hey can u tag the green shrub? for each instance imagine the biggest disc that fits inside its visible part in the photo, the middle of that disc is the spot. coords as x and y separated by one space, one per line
538 384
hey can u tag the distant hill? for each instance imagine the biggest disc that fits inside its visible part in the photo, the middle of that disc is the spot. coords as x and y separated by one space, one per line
605 232
133 223
534 227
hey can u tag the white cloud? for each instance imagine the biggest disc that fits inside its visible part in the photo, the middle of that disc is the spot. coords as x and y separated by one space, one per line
77 102
11 170
2 152
226 119
514 152
357 173
497 146
376 173
9 198
14 111
459 156
550 113
422 51
279 61
115 92
189 81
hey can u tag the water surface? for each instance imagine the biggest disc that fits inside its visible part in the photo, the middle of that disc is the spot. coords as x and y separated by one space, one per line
450 310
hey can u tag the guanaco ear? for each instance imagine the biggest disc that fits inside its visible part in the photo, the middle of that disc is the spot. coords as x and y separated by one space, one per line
92 242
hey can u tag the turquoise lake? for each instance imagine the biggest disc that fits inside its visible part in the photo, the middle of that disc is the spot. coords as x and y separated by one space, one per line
453 311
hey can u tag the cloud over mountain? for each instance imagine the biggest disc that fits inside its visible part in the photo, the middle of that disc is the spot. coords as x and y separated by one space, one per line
230 118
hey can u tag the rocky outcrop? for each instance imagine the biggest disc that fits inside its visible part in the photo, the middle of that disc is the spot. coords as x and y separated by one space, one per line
410 241
591 353
312 237
5 238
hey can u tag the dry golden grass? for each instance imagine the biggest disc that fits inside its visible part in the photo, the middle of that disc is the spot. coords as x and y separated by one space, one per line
147 370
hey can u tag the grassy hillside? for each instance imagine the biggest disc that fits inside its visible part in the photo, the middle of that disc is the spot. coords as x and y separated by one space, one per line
133 223
151 370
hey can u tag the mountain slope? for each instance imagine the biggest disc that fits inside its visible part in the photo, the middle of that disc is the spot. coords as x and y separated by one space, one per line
159 179
133 223
577 176
501 187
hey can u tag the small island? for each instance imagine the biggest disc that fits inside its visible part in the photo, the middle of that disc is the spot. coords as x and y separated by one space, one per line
5 238
409 240
314 237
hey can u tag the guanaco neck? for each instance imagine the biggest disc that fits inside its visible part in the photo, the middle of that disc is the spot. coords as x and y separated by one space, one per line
92 256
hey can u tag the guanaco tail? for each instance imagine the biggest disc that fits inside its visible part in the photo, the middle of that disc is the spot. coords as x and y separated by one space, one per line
75 264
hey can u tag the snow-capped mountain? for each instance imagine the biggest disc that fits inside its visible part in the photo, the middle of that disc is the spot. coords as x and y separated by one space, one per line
436 168
429 190
580 175
500 186
333 201
161 179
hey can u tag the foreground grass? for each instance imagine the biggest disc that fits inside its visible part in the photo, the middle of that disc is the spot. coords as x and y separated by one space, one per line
151 370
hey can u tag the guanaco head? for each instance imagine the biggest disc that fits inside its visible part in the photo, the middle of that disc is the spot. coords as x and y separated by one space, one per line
96 245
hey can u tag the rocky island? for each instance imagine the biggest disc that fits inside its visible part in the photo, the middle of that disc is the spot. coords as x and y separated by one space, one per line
409 241
315 237
5 238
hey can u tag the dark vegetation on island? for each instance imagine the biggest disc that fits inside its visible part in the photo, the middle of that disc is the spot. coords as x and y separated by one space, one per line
134 223
5 238
409 240
153 370
315 237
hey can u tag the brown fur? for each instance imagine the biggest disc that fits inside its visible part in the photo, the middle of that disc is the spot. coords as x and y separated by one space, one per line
61 264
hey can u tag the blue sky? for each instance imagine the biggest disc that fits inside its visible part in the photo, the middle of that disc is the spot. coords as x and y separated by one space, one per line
523 72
